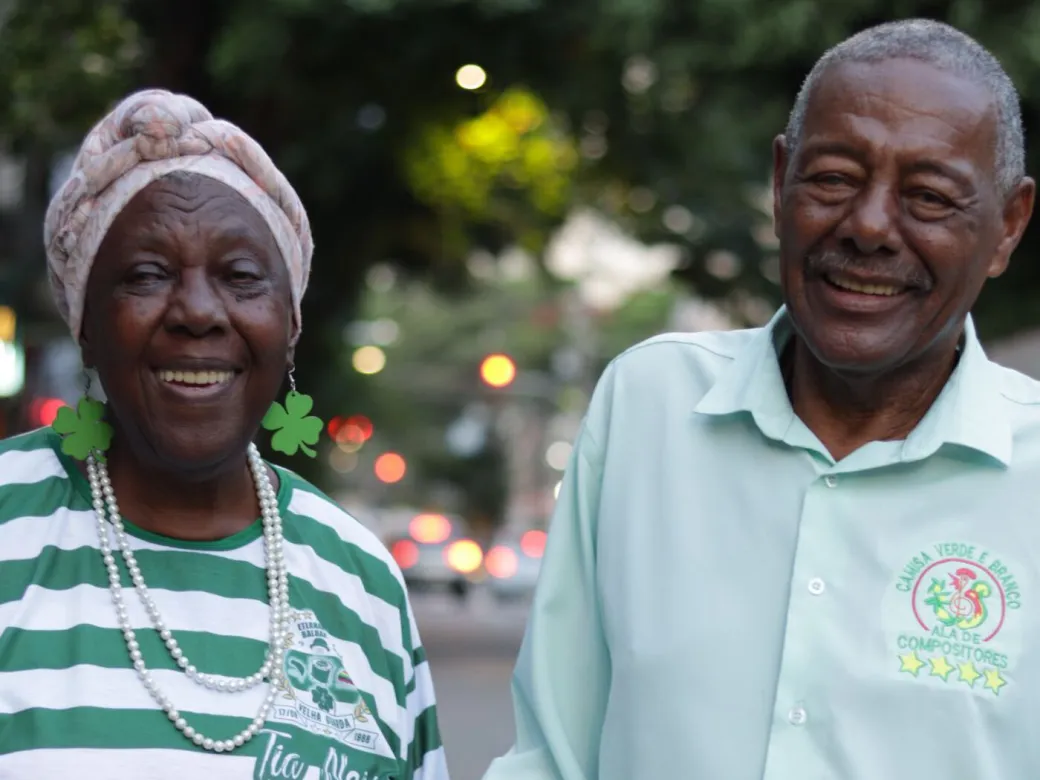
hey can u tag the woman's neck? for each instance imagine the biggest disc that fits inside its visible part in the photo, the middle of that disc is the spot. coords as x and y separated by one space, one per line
189 508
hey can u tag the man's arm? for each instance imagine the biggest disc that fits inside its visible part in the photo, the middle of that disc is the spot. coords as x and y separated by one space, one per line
562 675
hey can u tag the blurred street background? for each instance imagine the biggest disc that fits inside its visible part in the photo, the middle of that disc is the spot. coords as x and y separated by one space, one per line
505 194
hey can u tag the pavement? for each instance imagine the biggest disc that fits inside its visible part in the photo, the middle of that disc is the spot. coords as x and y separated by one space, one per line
472 648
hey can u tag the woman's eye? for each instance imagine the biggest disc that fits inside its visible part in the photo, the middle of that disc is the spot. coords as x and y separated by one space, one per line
239 276
144 274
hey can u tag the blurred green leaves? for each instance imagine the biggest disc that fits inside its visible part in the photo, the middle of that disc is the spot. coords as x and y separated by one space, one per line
60 62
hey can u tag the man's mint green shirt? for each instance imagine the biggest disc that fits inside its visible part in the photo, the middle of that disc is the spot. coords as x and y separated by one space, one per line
720 600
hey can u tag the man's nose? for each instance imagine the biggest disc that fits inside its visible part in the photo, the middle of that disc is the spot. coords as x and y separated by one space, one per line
872 224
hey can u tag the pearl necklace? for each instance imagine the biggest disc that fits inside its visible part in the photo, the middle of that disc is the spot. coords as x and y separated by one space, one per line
278 589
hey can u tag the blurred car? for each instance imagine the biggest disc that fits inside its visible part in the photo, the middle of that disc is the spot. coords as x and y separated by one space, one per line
435 554
513 563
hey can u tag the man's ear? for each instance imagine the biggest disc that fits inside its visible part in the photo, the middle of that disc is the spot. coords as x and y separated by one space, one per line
1018 209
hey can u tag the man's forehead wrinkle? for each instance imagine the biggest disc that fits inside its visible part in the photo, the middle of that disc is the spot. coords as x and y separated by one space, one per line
861 116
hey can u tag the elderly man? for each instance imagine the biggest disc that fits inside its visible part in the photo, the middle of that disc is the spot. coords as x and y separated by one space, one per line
809 550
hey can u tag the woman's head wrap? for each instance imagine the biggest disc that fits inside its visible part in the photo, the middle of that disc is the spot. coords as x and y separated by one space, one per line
149 135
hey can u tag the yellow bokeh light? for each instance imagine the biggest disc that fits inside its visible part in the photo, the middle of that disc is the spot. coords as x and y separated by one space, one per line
464 556
498 370
7 323
470 77
369 360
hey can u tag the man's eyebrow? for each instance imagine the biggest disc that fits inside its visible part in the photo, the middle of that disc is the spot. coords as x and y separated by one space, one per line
837 148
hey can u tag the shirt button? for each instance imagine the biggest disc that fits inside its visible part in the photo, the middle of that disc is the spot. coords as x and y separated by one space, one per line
830 481
797 716
817 586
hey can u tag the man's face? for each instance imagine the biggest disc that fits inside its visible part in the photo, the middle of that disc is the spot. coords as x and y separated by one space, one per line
888 213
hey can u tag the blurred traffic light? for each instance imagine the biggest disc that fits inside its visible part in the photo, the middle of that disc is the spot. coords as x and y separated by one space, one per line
42 411
498 370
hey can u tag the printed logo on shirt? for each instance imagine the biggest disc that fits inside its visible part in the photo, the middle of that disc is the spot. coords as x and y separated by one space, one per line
955 620
319 694
340 739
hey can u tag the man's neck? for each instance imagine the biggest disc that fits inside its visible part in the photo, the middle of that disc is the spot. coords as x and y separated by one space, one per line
189 508
847 412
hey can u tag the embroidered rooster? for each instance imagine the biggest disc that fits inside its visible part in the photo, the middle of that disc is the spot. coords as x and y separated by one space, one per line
965 607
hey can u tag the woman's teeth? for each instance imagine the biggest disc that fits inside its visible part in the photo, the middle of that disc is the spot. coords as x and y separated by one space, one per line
196 377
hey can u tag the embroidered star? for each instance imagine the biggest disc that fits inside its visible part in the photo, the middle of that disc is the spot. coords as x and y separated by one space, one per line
969 674
994 681
911 663
940 667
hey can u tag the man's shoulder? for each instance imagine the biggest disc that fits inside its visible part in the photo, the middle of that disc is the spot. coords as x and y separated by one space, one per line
1017 388
693 360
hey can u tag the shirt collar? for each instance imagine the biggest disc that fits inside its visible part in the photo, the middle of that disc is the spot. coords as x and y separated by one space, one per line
967 413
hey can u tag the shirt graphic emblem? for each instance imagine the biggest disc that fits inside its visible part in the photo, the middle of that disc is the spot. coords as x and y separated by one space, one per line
319 694
952 618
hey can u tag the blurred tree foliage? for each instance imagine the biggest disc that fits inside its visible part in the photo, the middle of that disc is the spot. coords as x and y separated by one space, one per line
659 112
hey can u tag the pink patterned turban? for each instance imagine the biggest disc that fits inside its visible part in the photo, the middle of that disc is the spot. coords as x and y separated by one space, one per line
149 135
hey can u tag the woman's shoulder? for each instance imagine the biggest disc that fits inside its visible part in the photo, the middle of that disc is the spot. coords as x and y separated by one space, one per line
34 478
338 536
30 458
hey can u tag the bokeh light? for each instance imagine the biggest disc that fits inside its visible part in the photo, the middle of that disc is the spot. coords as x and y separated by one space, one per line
342 462
533 543
369 360
390 468
43 411
464 556
430 528
558 454
471 77
501 562
498 370
405 552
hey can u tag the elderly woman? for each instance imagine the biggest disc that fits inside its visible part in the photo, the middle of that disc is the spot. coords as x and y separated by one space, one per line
171 606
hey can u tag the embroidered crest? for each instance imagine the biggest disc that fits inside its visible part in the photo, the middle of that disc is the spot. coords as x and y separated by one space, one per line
952 618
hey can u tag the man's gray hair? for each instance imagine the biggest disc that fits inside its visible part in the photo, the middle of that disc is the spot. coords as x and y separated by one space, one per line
946 48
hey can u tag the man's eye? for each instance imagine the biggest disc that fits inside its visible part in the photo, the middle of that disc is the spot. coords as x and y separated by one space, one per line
930 198
831 180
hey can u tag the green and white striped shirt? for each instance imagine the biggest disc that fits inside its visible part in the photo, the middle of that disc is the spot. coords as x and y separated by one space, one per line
359 701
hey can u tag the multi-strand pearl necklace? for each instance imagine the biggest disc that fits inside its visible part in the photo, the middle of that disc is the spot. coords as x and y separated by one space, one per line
278 589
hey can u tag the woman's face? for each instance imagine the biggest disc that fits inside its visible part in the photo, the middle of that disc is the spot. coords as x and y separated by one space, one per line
189 323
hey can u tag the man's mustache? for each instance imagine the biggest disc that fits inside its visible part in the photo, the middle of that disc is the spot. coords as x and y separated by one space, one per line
823 262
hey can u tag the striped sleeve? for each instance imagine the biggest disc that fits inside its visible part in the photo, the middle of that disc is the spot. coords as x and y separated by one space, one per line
424 754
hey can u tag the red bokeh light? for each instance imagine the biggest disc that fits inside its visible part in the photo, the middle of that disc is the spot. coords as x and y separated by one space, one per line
43 411
533 543
405 552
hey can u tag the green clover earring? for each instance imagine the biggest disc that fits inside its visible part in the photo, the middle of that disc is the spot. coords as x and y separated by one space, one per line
293 424
83 431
